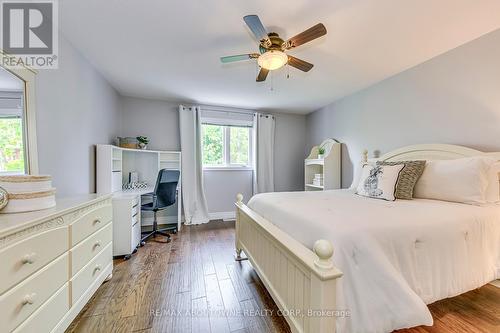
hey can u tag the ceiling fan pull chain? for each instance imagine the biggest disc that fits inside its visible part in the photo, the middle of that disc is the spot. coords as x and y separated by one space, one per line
272 80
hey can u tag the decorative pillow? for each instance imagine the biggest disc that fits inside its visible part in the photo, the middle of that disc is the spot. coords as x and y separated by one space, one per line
463 180
411 172
379 181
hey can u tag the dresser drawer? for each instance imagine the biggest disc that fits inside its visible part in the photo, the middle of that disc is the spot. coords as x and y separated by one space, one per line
22 300
90 223
90 273
22 259
48 315
87 249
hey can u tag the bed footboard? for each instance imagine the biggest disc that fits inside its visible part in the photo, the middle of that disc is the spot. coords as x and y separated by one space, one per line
301 282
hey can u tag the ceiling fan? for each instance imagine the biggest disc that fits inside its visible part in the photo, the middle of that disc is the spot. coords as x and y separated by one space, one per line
272 48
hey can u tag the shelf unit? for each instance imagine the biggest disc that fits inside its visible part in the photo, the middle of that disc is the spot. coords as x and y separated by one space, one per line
115 163
329 166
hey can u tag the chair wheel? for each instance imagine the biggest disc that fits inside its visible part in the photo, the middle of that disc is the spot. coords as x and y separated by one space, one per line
142 243
174 232
135 250
127 257
169 239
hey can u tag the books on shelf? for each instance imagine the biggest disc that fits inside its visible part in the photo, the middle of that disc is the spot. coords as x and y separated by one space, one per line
318 179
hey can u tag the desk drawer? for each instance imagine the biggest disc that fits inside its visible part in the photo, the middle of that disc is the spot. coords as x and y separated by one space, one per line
90 273
48 315
90 223
20 260
135 219
135 201
22 300
87 249
136 210
136 235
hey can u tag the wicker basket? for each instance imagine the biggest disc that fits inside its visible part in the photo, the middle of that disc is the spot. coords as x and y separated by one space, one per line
128 142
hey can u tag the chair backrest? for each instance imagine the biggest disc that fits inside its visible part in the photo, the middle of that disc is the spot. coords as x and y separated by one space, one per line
166 188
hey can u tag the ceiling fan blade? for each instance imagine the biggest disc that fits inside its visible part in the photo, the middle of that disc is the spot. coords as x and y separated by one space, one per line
312 33
262 74
299 64
257 28
238 57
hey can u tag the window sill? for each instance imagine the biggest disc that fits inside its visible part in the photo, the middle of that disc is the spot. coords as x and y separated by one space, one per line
228 168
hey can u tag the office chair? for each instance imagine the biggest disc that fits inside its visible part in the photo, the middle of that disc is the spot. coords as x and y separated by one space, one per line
163 196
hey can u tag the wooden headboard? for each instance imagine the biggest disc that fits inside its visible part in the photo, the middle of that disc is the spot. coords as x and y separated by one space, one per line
430 152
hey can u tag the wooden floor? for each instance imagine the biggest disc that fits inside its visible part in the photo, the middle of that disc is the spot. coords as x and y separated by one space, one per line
193 284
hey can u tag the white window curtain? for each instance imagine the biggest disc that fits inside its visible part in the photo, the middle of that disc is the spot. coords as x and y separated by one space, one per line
193 193
264 126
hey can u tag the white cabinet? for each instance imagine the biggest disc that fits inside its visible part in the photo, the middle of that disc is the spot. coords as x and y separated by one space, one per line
127 224
323 172
53 261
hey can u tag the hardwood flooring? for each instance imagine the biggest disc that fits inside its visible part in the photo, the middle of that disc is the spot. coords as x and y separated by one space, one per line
193 284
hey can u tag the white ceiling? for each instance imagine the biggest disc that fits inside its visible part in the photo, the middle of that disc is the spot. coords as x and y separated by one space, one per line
9 82
170 49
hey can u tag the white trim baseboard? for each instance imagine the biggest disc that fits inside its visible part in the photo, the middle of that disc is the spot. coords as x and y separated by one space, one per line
145 221
171 219
226 216
496 283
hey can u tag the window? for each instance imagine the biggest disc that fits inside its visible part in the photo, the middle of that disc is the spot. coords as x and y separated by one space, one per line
11 145
226 146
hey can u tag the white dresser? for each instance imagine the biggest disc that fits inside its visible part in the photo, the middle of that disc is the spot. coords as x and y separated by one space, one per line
52 262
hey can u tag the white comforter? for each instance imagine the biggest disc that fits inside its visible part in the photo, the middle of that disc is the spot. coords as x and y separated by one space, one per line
396 256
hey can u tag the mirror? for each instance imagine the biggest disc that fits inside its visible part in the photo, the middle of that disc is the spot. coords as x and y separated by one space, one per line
18 152
13 159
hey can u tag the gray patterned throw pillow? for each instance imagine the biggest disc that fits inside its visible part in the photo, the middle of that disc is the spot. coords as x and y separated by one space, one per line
408 177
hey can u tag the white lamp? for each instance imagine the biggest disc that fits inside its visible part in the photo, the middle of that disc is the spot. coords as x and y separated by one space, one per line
272 60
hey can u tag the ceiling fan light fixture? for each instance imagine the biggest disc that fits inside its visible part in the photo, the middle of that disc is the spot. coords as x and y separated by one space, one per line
272 59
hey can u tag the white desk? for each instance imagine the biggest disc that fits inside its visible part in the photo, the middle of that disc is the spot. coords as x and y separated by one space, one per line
113 167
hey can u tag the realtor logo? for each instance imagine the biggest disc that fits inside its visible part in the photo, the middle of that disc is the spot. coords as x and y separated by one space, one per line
29 33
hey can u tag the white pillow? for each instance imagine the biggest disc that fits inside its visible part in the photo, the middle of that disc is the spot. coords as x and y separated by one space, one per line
463 180
379 181
493 189
357 174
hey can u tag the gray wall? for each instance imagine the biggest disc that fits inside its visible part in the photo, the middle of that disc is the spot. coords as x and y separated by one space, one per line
76 108
159 121
453 98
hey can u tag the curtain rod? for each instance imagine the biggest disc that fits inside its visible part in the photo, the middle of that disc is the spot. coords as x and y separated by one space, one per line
253 113
227 111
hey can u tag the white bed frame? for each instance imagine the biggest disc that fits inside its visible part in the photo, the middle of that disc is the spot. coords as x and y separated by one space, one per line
302 281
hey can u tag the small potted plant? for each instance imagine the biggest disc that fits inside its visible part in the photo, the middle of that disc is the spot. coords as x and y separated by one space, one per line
321 152
143 141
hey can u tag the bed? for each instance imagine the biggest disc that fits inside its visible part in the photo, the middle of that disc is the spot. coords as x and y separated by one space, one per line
391 258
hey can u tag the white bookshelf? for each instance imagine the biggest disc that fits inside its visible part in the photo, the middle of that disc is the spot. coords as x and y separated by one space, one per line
329 166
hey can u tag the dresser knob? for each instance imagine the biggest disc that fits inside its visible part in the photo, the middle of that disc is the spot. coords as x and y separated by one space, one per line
29 299
97 268
97 221
29 258
97 244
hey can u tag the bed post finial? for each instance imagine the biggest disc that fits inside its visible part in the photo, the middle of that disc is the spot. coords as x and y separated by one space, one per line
324 251
365 155
239 198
